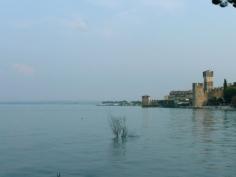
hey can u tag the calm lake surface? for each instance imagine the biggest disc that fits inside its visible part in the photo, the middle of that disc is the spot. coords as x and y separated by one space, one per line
40 140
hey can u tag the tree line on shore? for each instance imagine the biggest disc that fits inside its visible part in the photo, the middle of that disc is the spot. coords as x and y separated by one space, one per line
229 96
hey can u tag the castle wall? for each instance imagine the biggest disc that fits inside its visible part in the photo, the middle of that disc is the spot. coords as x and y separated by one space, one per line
216 92
181 95
199 96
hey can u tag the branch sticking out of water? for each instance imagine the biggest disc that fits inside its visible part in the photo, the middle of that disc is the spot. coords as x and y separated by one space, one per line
119 127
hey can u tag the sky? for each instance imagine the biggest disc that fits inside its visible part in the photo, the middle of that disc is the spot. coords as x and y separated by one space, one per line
112 49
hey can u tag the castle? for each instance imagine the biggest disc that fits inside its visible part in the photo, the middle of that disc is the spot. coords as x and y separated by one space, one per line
202 92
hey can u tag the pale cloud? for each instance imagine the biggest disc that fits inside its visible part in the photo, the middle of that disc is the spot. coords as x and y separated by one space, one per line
77 24
126 13
133 13
23 24
108 32
165 4
106 3
23 69
161 4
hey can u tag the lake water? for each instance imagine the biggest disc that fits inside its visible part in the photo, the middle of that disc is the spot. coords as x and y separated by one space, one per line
40 140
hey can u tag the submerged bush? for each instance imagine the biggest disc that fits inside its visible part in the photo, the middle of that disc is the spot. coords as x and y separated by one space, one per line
119 127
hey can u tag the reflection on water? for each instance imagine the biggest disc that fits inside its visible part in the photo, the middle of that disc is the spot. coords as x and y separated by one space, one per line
119 147
146 117
214 141
207 124
203 124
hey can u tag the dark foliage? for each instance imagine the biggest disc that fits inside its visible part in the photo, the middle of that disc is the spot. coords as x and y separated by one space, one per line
233 102
229 93
215 101
224 3
225 84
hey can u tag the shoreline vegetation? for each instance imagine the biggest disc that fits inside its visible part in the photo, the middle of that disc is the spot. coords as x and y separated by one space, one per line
120 103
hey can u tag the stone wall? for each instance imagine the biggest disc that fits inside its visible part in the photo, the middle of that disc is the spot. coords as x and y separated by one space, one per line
199 96
216 92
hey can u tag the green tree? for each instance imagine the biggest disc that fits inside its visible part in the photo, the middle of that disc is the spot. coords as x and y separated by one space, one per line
224 3
233 102
225 84
229 93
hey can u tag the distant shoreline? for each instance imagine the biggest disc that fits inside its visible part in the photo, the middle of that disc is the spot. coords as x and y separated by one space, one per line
221 108
48 102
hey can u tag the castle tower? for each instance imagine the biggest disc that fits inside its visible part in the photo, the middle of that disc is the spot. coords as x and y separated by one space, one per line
146 101
208 80
199 96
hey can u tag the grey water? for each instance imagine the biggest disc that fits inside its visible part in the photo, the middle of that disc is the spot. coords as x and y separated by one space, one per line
76 140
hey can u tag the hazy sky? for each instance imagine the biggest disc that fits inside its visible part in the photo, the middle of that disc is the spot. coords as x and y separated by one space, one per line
111 49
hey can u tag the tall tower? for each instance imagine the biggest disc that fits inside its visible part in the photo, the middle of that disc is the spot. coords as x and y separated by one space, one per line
146 101
208 80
